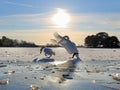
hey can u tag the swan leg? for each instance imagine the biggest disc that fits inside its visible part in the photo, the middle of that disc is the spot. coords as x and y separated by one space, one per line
45 54
74 54
50 55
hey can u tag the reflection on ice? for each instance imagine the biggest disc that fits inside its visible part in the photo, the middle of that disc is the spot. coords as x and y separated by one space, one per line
65 69
46 60
58 62
93 81
43 60
4 82
1 65
9 72
93 71
35 60
32 87
116 77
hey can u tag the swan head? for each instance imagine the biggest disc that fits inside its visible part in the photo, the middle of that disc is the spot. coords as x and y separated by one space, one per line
66 37
42 49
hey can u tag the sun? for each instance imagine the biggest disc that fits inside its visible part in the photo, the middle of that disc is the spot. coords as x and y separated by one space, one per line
61 18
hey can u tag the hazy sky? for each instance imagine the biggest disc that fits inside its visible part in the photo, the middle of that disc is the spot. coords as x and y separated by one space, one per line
30 20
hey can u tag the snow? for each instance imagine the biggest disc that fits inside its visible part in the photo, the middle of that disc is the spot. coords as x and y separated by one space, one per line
98 70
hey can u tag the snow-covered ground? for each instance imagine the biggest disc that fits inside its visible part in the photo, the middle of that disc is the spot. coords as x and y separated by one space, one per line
98 70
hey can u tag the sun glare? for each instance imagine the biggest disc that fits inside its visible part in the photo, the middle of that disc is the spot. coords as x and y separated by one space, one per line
61 18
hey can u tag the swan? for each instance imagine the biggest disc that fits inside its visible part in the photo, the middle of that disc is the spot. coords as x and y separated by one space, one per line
66 68
47 51
67 44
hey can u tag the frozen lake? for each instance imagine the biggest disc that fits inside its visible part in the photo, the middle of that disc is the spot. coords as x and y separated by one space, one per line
98 70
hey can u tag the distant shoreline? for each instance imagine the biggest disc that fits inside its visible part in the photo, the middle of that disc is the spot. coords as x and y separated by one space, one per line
59 47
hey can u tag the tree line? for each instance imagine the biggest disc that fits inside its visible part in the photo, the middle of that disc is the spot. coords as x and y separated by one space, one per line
7 42
102 40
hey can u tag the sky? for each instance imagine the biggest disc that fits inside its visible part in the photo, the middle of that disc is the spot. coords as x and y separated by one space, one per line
30 20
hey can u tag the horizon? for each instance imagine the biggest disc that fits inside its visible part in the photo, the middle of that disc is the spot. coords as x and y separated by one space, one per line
36 21
52 38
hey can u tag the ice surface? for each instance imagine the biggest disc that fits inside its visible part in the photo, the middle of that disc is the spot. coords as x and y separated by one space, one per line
97 70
